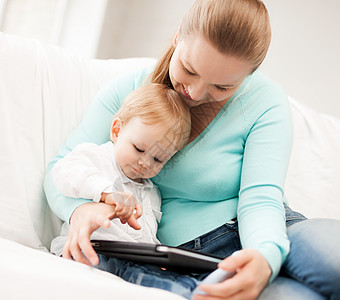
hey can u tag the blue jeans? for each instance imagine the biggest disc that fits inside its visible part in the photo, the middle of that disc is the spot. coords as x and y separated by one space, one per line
311 270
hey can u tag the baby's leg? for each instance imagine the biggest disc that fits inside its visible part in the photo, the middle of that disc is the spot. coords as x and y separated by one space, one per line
150 276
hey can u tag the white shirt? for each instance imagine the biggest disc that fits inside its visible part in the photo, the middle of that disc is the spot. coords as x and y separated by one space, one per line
88 171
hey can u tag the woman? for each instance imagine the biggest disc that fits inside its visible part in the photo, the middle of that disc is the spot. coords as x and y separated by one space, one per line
224 191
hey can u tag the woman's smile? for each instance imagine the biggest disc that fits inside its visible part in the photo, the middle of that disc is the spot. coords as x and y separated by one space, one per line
186 92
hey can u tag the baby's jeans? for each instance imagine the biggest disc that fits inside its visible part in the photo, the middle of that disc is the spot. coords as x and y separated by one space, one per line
149 275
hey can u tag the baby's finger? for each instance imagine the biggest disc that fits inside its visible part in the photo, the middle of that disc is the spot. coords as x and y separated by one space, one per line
139 211
133 223
129 200
109 199
125 213
119 207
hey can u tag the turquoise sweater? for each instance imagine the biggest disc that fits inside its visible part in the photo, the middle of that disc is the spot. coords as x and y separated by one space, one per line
235 167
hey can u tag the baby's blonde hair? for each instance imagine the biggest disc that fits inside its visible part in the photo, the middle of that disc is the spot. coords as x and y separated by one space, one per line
157 104
240 28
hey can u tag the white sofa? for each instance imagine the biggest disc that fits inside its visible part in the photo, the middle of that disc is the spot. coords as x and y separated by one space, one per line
43 94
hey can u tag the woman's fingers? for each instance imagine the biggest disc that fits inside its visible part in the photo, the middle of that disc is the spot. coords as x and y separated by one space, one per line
84 243
224 290
252 275
72 251
85 220
77 253
237 260
86 251
102 221
66 251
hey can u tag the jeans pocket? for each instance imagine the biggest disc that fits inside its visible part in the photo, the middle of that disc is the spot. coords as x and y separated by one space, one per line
223 242
292 216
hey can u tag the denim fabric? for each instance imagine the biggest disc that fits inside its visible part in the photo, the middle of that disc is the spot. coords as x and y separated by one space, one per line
149 276
311 270
314 257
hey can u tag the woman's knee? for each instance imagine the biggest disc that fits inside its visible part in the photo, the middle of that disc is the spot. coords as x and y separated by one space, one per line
283 288
314 255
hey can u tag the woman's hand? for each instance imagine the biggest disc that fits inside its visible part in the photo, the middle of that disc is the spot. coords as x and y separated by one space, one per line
252 275
84 221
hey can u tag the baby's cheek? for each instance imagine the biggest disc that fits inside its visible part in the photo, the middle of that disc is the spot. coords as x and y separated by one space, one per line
155 170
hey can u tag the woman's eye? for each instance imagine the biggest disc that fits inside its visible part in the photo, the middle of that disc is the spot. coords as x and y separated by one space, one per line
222 89
188 72
138 149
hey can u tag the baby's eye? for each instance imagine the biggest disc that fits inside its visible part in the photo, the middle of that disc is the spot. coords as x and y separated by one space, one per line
157 160
138 149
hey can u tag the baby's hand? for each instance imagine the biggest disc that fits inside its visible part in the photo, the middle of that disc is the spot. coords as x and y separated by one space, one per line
128 208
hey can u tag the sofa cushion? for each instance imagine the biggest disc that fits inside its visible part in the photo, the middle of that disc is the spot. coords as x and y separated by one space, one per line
313 179
44 92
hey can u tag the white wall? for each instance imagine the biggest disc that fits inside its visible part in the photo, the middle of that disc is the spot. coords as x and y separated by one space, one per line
73 24
82 26
304 55
140 28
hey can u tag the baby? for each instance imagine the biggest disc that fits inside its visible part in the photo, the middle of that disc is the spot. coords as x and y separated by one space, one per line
150 127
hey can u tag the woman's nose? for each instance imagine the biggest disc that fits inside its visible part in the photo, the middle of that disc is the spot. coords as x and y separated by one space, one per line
197 91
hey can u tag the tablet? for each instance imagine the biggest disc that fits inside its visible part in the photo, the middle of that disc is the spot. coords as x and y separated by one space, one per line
172 258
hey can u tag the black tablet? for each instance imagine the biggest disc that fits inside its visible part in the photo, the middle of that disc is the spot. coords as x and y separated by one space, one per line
172 258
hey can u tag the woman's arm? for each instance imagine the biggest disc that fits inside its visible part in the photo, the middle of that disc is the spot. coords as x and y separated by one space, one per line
84 215
261 215
94 128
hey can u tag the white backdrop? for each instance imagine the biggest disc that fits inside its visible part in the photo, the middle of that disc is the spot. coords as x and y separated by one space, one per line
303 57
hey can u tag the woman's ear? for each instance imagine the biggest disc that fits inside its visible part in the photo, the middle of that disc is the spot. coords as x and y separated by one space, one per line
115 129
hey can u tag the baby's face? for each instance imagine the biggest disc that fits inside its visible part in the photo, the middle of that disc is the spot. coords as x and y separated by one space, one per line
142 150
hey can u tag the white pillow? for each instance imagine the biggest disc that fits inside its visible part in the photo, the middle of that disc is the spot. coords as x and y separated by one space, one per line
313 179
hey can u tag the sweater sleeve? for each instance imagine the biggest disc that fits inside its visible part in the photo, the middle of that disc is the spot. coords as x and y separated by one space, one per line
94 128
261 213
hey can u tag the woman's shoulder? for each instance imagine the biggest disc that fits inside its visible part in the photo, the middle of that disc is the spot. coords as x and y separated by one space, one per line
260 93
259 86
127 81
133 76
263 97
139 72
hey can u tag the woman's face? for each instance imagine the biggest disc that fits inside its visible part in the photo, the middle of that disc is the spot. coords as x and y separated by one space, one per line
202 74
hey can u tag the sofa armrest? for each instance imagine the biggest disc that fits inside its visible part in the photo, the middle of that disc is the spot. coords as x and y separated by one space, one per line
32 274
